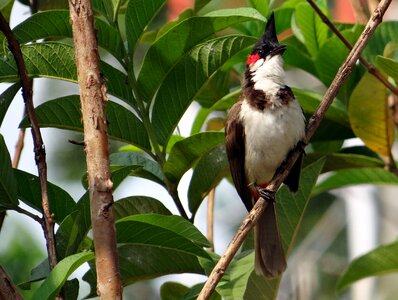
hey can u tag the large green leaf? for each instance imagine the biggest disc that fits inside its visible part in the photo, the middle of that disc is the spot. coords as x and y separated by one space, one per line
349 177
339 161
65 113
174 44
6 98
56 60
297 56
332 54
54 282
182 84
370 116
211 168
56 23
173 223
314 31
61 203
172 290
142 261
185 153
8 183
380 261
138 15
134 205
146 167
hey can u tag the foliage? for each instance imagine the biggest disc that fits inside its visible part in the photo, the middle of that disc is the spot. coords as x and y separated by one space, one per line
156 75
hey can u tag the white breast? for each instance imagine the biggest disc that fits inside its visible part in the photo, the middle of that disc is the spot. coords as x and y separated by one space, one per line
270 135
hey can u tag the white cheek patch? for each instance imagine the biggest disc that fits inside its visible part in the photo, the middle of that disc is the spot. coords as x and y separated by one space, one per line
257 64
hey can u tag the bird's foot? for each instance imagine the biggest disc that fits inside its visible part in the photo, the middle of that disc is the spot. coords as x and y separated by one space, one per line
268 195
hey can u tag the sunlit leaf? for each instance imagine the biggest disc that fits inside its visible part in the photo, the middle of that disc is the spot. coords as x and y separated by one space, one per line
349 177
388 65
370 117
53 283
380 261
138 205
65 113
172 46
182 84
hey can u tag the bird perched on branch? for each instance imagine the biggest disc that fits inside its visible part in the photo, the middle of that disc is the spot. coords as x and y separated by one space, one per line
262 128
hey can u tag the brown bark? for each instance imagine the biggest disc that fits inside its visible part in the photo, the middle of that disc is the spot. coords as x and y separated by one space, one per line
7 288
314 122
93 97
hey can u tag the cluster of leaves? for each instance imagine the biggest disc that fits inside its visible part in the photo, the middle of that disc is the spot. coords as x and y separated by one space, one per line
190 60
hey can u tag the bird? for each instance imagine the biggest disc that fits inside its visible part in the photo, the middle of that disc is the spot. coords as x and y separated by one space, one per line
262 127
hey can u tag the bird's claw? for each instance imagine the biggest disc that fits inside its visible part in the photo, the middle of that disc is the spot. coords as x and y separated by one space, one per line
268 195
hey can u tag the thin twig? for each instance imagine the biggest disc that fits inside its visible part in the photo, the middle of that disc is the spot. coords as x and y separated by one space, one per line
40 153
389 161
281 174
371 68
210 218
18 147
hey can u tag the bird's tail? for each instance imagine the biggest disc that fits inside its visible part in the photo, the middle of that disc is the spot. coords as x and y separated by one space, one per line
270 259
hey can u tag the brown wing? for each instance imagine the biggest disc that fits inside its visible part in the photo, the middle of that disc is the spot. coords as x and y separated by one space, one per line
235 146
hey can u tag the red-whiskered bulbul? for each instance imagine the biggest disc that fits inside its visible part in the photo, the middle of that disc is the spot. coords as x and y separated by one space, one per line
263 126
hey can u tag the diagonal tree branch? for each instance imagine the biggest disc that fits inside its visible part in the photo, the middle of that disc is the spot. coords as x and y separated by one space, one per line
281 174
92 98
39 149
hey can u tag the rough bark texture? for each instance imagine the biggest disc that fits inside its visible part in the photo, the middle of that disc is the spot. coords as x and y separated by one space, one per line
7 288
93 97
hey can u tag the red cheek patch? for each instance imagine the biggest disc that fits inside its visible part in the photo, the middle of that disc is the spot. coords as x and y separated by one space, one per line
252 58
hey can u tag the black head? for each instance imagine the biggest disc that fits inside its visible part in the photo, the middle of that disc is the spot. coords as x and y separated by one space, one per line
268 44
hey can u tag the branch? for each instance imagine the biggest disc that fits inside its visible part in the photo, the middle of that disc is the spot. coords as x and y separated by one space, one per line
40 153
92 99
210 218
389 161
7 288
281 174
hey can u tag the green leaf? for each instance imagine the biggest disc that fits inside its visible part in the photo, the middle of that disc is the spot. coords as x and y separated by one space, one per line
61 203
211 168
384 34
56 60
8 183
140 262
199 4
5 9
181 39
6 98
134 205
333 53
181 84
64 113
56 24
147 168
388 65
297 56
172 291
314 31
349 177
261 5
108 8
380 261
371 118
239 272
310 101
54 282
339 161
170 232
138 16
185 153
66 236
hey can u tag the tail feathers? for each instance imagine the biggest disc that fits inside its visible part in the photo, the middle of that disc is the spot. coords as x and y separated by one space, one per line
270 259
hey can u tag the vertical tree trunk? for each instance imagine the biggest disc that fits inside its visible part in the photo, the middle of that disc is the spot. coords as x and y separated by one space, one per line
93 97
